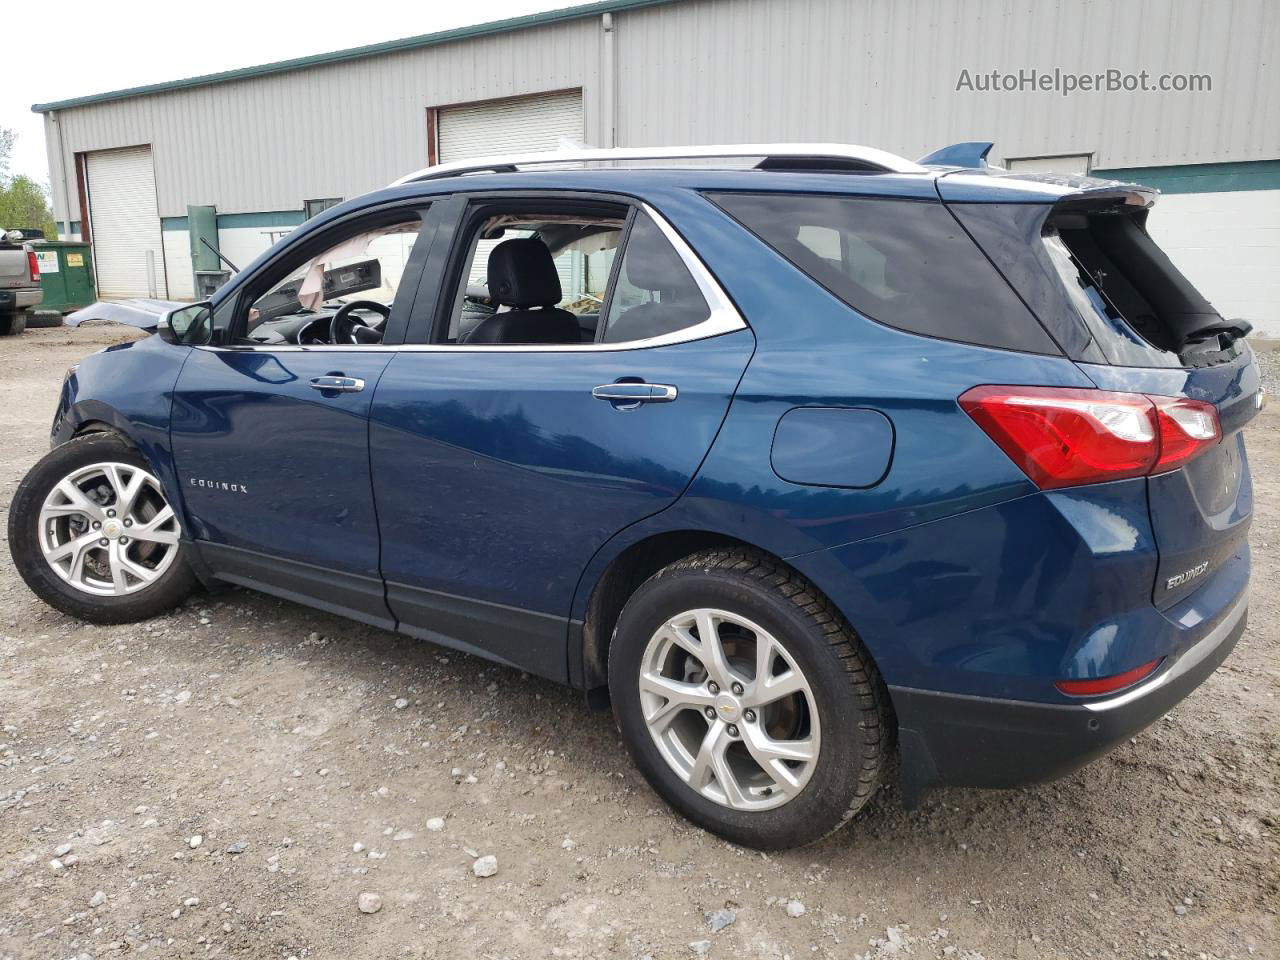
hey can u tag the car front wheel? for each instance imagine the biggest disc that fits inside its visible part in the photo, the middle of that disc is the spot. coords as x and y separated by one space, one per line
92 533
747 700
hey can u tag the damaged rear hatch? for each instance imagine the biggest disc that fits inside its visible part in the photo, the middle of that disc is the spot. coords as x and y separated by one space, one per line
1078 251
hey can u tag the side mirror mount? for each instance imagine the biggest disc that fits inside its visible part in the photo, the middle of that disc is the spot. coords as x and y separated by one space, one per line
190 326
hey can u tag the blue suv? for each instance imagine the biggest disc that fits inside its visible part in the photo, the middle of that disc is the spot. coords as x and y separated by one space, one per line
799 456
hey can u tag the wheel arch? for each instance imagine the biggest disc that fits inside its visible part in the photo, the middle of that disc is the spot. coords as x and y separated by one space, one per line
622 576
88 427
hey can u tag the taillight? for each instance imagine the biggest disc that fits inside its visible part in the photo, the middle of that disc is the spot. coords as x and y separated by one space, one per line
1186 428
1068 436
34 266
1101 685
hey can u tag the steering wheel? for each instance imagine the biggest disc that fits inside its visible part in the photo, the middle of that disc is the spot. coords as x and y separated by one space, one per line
347 328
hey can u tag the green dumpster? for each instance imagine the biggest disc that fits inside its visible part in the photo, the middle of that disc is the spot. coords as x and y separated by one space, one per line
66 274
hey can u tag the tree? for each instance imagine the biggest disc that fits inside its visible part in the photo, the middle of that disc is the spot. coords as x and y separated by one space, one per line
23 204
7 137
23 201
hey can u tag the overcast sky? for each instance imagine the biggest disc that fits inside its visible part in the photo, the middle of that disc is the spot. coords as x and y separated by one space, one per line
78 47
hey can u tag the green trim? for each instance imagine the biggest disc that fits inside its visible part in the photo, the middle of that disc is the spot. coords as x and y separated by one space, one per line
275 218
1201 177
357 53
231 221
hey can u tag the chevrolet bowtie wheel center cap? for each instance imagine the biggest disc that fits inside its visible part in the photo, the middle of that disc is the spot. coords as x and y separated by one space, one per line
728 708
112 529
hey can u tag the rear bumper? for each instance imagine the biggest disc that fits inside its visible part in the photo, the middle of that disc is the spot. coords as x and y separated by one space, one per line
22 298
958 740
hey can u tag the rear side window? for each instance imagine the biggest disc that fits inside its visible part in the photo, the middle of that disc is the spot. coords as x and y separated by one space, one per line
654 293
905 263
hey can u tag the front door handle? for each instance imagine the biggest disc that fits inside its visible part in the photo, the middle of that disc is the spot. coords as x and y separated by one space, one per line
338 384
634 394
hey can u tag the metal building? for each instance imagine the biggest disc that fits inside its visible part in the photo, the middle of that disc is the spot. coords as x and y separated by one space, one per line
253 152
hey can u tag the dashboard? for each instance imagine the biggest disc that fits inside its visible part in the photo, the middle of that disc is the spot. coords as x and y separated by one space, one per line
307 328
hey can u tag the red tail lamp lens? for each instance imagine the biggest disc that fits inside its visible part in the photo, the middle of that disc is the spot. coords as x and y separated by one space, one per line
1068 436
1186 428
1093 688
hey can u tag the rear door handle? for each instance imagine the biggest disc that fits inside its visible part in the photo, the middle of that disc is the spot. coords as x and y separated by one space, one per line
634 394
338 384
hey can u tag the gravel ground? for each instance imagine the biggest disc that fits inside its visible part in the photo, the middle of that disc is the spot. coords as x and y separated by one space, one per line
1269 364
247 777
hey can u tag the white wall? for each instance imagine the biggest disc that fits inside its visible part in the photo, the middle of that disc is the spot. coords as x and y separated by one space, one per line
241 245
177 264
1228 245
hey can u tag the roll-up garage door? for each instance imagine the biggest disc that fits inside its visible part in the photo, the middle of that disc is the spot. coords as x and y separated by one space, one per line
125 223
518 125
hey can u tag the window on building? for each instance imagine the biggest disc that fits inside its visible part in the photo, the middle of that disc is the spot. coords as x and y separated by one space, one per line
313 207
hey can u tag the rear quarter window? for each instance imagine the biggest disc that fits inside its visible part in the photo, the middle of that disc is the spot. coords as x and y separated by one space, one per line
905 263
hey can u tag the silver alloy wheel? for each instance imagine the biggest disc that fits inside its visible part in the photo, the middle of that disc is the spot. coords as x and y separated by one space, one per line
107 530
729 709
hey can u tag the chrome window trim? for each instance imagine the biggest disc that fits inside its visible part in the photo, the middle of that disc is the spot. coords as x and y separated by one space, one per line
724 318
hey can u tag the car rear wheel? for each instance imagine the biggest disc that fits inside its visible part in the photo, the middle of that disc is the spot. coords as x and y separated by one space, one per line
12 324
747 701
92 533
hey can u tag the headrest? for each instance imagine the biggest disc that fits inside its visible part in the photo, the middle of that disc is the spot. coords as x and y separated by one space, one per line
522 274
654 266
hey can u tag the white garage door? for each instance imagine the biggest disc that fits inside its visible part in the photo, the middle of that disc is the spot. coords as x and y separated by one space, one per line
125 222
518 125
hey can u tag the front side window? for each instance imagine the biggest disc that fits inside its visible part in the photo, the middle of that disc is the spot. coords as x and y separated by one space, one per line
341 294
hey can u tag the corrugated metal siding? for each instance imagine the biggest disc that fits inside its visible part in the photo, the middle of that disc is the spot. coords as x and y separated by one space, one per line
877 72
272 142
883 73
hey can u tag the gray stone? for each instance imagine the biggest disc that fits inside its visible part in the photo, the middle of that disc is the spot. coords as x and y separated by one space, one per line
485 866
719 919
369 902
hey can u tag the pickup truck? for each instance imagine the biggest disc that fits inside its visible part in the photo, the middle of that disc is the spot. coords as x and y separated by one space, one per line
19 281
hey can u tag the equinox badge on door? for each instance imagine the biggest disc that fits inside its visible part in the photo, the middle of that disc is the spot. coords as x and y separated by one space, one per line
218 485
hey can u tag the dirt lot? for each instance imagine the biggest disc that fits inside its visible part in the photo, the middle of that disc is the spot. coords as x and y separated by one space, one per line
308 756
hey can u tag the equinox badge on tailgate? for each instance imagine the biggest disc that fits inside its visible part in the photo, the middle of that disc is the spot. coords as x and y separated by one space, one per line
1186 576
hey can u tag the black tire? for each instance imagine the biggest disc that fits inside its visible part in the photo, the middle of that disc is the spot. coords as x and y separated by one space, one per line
165 593
851 699
12 324
43 318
